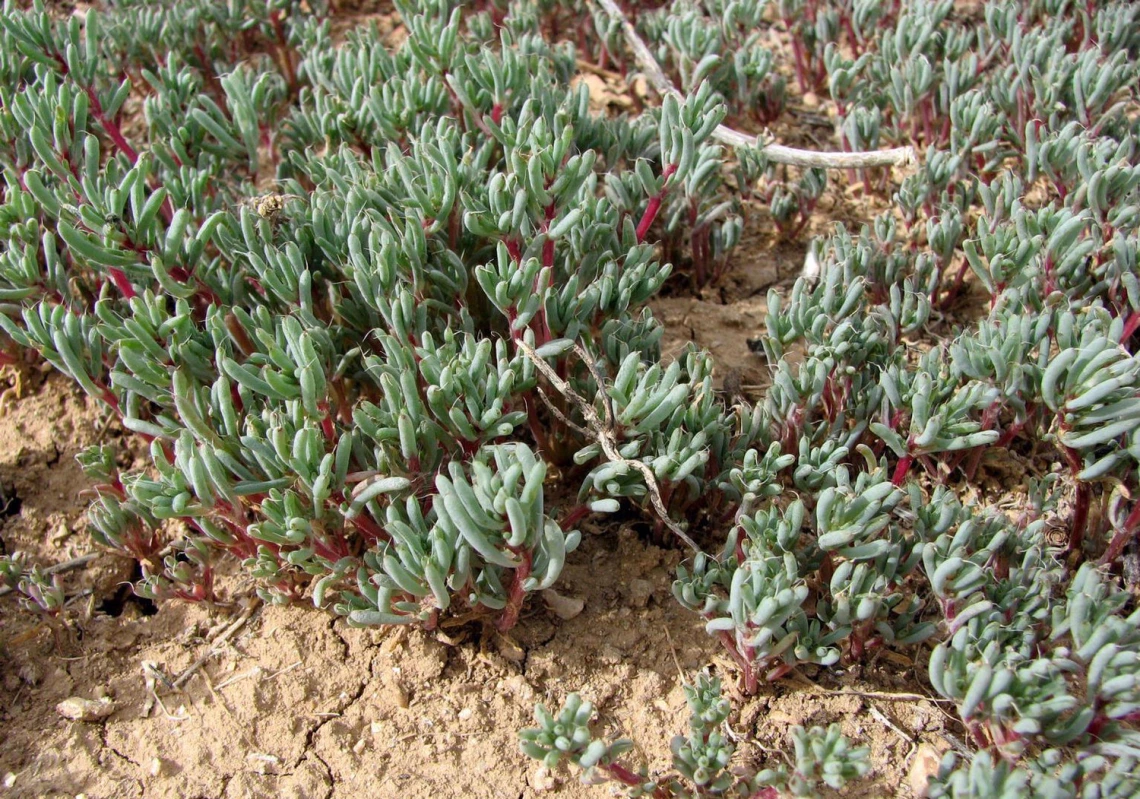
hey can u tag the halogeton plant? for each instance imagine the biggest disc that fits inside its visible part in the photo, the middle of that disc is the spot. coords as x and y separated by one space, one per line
364 305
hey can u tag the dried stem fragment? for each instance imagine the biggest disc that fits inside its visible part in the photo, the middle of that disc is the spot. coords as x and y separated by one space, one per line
776 153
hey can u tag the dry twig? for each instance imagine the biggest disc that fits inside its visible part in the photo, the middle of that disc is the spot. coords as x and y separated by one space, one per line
603 432
673 651
816 688
881 717
777 153
216 644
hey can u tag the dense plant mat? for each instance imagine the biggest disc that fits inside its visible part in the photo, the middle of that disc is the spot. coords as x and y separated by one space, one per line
373 308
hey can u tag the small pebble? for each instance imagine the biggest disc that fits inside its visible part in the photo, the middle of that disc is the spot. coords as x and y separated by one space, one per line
610 655
564 607
510 650
518 686
924 766
542 780
639 592
77 708
60 534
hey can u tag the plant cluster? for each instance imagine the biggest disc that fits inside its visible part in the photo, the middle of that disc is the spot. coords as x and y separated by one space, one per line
361 303
700 759
327 373
37 590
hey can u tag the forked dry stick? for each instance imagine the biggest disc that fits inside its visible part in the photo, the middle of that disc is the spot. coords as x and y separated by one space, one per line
217 643
603 432
777 153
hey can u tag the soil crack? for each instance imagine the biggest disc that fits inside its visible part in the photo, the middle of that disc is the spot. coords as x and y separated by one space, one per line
353 697
105 739
328 775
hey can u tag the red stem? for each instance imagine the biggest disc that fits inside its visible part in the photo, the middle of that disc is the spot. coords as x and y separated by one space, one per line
284 52
620 773
119 278
576 514
901 469
541 440
327 426
623 775
548 245
1129 530
801 68
112 129
111 400
114 132
751 682
1130 326
654 206
372 532
516 594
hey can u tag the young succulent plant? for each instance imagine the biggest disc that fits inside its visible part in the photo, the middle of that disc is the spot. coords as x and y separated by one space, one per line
702 759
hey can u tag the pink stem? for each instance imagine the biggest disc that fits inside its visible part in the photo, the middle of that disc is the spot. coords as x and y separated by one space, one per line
119 278
901 469
1130 326
654 206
